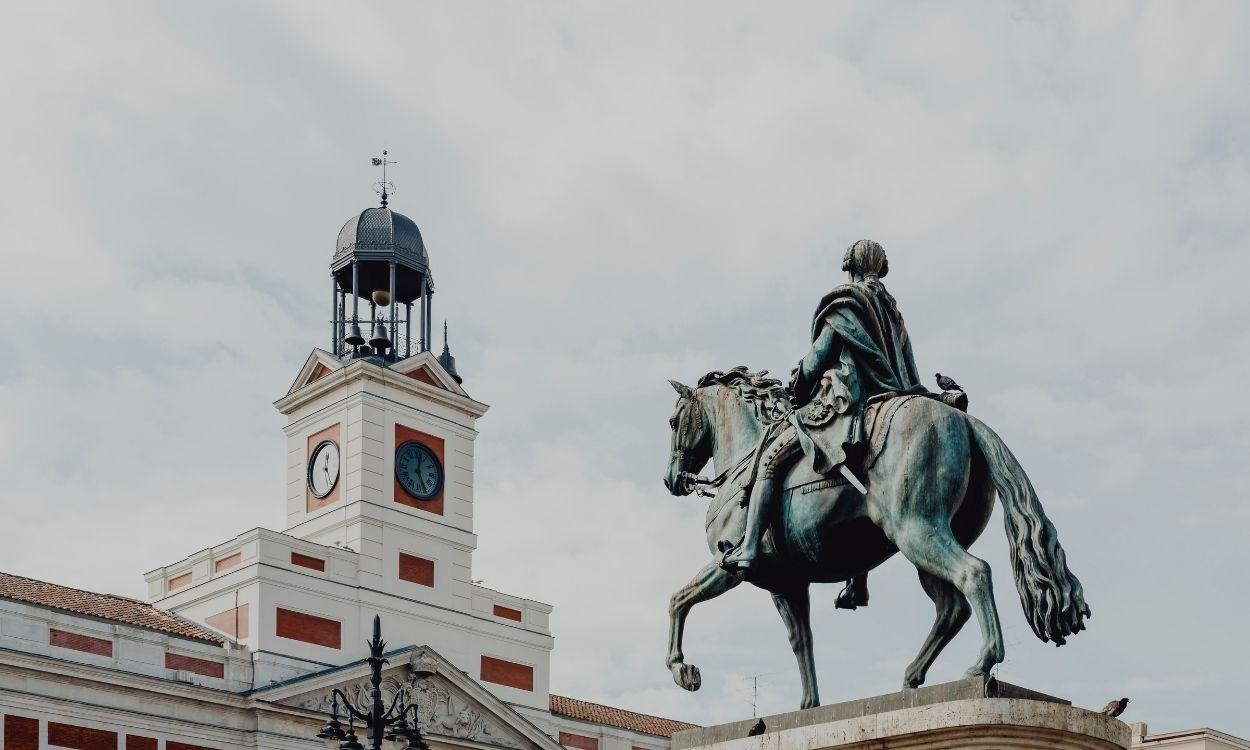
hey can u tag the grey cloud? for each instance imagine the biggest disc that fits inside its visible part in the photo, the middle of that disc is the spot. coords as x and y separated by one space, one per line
617 194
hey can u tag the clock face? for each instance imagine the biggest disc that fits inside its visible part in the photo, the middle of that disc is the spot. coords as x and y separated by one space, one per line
323 468
418 470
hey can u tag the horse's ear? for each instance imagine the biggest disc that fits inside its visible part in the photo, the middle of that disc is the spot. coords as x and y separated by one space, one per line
683 391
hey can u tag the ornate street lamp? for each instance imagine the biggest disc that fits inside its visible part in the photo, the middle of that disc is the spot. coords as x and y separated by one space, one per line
380 722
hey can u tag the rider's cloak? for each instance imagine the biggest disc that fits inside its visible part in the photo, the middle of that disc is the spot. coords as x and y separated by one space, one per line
860 349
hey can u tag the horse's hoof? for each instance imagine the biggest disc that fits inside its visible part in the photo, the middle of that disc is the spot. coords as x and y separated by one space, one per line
687 676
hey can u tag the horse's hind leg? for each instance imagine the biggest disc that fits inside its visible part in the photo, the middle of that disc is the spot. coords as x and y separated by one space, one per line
794 608
952 612
932 548
709 583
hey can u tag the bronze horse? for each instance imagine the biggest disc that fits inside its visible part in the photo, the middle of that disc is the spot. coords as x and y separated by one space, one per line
930 495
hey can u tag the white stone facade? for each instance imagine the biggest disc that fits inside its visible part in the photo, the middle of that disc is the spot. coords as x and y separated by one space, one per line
293 607
1190 739
358 538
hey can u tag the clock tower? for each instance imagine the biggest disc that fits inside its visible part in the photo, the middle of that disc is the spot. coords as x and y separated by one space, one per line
379 498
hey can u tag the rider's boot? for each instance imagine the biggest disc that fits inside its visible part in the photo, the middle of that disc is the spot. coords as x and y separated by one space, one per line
757 511
855 594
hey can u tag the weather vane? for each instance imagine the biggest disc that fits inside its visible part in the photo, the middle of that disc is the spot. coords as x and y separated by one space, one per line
383 188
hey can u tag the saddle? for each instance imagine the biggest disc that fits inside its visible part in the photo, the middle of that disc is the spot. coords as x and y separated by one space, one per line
878 417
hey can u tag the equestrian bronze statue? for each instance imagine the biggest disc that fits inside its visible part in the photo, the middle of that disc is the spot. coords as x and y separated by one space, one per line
824 479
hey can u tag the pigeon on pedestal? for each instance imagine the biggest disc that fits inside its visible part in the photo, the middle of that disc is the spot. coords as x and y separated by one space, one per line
1115 708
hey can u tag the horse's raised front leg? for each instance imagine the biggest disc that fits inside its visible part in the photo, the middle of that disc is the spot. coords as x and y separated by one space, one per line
794 606
952 612
710 583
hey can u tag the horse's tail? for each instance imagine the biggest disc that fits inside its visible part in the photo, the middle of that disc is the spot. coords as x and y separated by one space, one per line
1053 600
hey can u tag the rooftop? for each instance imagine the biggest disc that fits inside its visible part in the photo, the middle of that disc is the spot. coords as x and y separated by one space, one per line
616 717
104 606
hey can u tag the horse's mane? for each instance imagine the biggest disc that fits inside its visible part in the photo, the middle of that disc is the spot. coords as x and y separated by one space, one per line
766 394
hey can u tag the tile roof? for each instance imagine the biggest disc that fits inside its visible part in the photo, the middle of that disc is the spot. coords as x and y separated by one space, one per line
103 606
616 717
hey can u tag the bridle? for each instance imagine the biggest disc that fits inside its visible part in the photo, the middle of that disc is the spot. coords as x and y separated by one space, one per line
684 431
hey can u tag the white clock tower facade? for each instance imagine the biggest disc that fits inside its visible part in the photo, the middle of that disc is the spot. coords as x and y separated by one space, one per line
256 642
379 500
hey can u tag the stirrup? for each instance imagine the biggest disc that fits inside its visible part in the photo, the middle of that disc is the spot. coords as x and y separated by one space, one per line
731 566
850 597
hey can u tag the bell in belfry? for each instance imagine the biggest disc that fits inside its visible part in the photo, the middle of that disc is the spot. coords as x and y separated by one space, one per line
379 340
354 336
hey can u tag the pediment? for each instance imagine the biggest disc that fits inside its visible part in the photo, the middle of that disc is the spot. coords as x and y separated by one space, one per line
451 707
319 364
424 367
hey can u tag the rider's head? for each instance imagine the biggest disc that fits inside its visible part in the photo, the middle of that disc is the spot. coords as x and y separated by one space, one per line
865 260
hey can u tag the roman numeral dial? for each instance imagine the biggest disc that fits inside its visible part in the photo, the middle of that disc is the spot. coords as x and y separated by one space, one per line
418 470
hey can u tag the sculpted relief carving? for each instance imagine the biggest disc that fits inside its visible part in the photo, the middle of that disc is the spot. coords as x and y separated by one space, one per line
439 711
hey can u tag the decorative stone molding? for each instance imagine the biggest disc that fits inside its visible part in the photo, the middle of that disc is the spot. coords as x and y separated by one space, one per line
422 664
440 711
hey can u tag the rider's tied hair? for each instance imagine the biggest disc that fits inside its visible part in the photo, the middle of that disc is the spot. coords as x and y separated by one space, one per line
868 258
765 393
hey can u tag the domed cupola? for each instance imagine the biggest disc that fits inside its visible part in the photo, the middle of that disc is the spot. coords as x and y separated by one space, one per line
381 230
380 258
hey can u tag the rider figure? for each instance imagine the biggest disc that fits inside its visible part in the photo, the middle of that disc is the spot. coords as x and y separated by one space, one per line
860 349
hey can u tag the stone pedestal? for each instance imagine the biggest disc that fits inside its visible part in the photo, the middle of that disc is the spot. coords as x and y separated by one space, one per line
966 714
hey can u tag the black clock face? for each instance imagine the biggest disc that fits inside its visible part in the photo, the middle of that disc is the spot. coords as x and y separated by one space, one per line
418 470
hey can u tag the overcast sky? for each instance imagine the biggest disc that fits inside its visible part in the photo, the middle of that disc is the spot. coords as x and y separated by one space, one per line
617 194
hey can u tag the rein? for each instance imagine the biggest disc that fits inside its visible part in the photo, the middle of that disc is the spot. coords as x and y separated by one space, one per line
702 484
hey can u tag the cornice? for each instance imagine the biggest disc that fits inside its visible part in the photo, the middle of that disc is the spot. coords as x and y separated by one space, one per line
366 370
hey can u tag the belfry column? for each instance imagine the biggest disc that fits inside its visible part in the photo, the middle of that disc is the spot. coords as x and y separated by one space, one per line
429 319
394 325
355 292
407 329
334 314
424 297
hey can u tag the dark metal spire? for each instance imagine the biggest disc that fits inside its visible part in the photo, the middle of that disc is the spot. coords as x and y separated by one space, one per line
446 360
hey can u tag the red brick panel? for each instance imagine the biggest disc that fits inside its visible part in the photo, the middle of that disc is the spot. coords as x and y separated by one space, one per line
511 674
424 377
80 738
507 612
435 444
178 582
229 561
311 502
308 628
308 561
21 733
171 745
135 742
98 646
205 667
580 741
416 569
227 621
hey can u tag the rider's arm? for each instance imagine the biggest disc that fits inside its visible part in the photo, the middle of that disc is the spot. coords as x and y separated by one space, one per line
825 350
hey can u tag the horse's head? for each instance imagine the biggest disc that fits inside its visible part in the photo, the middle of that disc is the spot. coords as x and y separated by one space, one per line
692 440
724 414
